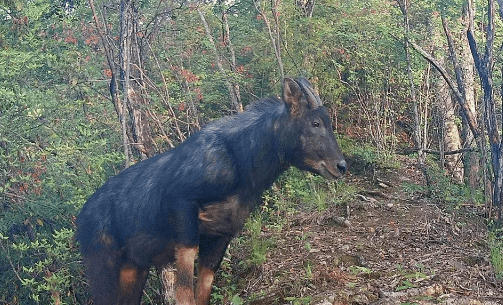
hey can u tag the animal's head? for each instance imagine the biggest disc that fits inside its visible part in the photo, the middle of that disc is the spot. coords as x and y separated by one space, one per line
316 149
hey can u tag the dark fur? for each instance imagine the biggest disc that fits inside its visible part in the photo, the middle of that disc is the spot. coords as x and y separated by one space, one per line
198 194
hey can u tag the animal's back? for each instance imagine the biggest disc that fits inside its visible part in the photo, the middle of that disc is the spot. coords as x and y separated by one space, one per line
116 204
200 170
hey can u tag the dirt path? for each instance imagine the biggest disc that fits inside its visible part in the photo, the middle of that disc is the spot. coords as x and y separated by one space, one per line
391 250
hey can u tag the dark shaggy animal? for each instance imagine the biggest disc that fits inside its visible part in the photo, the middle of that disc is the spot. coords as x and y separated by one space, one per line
193 199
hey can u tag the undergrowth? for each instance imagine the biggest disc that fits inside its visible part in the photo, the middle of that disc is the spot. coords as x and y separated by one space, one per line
301 191
452 196
495 241
48 263
443 190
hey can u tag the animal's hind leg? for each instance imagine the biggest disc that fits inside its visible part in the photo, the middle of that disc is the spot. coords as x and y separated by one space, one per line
184 263
102 272
130 285
211 253
111 283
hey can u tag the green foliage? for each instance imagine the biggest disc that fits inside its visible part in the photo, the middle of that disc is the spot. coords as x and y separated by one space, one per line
60 138
406 284
236 300
259 246
55 270
50 268
410 277
444 191
57 145
495 240
299 301
359 270
367 158
313 192
228 291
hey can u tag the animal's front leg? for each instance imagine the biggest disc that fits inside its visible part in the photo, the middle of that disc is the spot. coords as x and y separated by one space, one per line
205 278
211 253
184 285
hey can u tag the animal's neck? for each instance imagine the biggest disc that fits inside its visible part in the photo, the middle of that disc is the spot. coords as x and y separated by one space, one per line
269 142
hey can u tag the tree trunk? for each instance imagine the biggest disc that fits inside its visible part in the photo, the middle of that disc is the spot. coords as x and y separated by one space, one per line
114 94
471 160
451 138
484 67
167 275
275 14
228 43
131 69
307 7
421 156
470 116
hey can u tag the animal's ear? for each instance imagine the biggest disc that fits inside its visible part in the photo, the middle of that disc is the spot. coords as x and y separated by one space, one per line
293 96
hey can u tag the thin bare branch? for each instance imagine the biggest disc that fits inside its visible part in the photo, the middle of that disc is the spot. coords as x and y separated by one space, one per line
119 107
276 45
459 97
234 99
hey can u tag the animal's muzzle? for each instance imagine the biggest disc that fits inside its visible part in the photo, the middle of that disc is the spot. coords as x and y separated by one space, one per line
342 166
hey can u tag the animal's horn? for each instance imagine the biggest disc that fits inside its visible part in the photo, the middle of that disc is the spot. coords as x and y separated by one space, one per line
313 98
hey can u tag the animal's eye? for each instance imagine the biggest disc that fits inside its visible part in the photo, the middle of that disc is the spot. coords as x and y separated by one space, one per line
316 124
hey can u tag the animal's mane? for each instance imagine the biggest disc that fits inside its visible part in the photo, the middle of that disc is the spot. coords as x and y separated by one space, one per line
252 115
264 104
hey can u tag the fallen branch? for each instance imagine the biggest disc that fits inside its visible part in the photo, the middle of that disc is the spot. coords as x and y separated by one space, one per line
377 193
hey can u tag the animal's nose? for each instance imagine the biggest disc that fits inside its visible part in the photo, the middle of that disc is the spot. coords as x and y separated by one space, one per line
342 166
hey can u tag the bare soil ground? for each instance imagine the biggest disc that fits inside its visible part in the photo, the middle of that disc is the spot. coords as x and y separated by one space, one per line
392 249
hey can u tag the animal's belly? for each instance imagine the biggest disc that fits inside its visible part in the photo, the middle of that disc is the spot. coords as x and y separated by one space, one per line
223 218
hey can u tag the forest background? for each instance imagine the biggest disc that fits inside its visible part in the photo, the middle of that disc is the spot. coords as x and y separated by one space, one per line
88 88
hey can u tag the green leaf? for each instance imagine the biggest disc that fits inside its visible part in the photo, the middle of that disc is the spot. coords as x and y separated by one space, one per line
406 285
236 300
